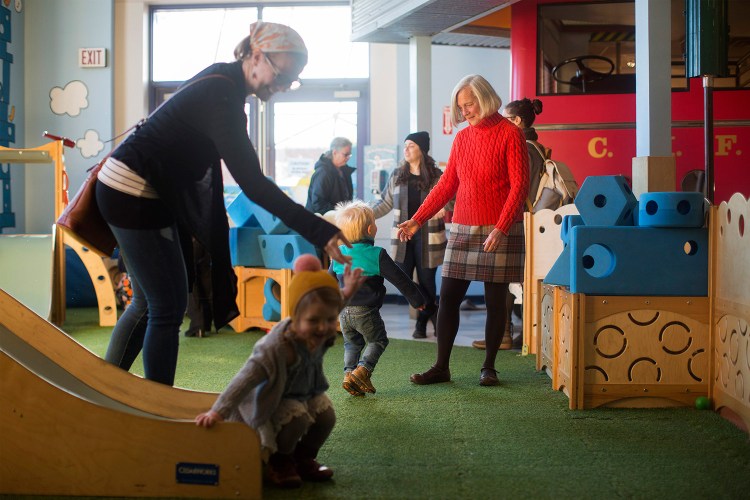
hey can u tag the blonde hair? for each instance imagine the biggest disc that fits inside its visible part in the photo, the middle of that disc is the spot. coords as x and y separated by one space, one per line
353 217
487 99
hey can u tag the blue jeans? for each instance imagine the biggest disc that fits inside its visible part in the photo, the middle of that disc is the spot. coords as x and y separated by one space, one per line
153 259
363 329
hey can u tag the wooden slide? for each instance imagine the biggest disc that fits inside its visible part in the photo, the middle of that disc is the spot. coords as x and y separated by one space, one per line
76 425
26 327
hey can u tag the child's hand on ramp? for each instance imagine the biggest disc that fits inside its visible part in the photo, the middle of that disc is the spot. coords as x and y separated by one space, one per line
208 419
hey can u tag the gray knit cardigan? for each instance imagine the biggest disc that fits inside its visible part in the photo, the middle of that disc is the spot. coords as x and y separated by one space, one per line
396 198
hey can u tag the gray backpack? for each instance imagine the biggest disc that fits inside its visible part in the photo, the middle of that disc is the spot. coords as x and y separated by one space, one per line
557 186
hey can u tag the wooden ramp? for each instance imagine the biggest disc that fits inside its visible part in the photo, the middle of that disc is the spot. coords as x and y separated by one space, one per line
42 339
67 435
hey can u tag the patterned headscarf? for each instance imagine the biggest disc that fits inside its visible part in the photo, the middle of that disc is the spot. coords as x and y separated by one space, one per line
273 37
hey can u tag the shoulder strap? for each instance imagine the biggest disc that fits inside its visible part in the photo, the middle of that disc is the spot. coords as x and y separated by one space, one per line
538 148
143 120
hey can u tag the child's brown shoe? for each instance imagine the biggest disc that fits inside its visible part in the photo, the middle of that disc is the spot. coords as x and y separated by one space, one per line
310 470
281 471
361 377
351 386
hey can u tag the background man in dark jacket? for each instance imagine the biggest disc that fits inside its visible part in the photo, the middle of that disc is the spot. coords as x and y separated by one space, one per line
331 181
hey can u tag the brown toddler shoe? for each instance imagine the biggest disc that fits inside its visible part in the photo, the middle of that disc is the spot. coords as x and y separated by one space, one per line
351 386
281 471
361 377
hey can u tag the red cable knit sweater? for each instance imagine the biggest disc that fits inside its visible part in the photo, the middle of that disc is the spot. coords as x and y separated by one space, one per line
488 172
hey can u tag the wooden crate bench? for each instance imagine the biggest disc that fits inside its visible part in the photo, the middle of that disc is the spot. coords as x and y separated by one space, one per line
250 296
545 338
630 351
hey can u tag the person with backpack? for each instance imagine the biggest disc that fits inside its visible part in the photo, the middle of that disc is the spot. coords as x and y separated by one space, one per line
522 114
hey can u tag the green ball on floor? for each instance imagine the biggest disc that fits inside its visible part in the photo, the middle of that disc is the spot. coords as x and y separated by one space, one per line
702 403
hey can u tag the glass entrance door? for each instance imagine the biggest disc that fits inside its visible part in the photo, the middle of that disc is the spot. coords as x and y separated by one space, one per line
302 131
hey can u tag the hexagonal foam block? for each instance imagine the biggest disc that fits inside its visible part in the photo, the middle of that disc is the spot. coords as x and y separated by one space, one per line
665 209
606 200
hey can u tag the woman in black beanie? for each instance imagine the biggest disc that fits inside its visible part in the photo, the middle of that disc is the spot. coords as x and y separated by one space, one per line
406 190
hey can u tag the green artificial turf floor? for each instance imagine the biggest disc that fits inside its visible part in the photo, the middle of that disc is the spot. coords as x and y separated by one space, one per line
462 441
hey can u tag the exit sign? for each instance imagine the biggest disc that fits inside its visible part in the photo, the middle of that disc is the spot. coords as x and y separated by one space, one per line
92 58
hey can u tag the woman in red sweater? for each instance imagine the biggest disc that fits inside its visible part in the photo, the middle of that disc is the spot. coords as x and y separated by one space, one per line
488 173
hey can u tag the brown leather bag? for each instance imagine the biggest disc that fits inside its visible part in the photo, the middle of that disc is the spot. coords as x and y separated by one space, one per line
83 219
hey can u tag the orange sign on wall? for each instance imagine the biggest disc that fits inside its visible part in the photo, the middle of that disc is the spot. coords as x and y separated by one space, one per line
447 125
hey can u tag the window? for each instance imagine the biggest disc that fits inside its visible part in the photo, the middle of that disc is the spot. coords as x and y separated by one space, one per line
590 47
297 126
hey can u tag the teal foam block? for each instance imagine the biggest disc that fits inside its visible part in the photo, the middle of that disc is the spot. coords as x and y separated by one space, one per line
280 250
272 307
606 200
666 209
639 261
559 273
244 246
241 211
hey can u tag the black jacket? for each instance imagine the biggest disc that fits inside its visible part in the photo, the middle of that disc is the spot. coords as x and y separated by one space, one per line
329 186
178 151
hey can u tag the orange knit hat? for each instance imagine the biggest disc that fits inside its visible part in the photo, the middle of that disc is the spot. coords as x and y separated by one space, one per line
305 282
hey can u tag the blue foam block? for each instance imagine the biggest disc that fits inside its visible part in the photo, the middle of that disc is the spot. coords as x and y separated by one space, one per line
270 223
559 273
569 222
241 211
270 314
639 261
606 200
679 209
271 290
280 250
244 247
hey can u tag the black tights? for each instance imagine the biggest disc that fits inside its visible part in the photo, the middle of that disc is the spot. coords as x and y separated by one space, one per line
293 436
452 293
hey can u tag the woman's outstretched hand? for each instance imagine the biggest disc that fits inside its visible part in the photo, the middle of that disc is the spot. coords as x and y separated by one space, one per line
333 250
407 229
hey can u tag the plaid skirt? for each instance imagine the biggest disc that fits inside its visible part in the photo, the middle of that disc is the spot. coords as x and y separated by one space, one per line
466 259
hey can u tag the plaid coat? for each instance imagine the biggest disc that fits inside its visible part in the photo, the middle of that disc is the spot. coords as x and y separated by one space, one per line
396 198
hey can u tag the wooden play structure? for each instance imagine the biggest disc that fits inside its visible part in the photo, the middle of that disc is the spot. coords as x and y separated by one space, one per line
83 427
543 243
635 351
52 153
27 332
251 283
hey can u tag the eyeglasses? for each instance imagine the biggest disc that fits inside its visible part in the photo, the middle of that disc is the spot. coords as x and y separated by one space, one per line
345 155
280 79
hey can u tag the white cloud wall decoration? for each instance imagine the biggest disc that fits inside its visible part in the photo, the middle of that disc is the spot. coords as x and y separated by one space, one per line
70 100
89 144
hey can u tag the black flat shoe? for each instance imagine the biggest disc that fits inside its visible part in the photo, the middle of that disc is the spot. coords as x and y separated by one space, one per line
431 376
488 377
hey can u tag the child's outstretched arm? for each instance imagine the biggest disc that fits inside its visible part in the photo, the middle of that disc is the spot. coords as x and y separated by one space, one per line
390 271
208 419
